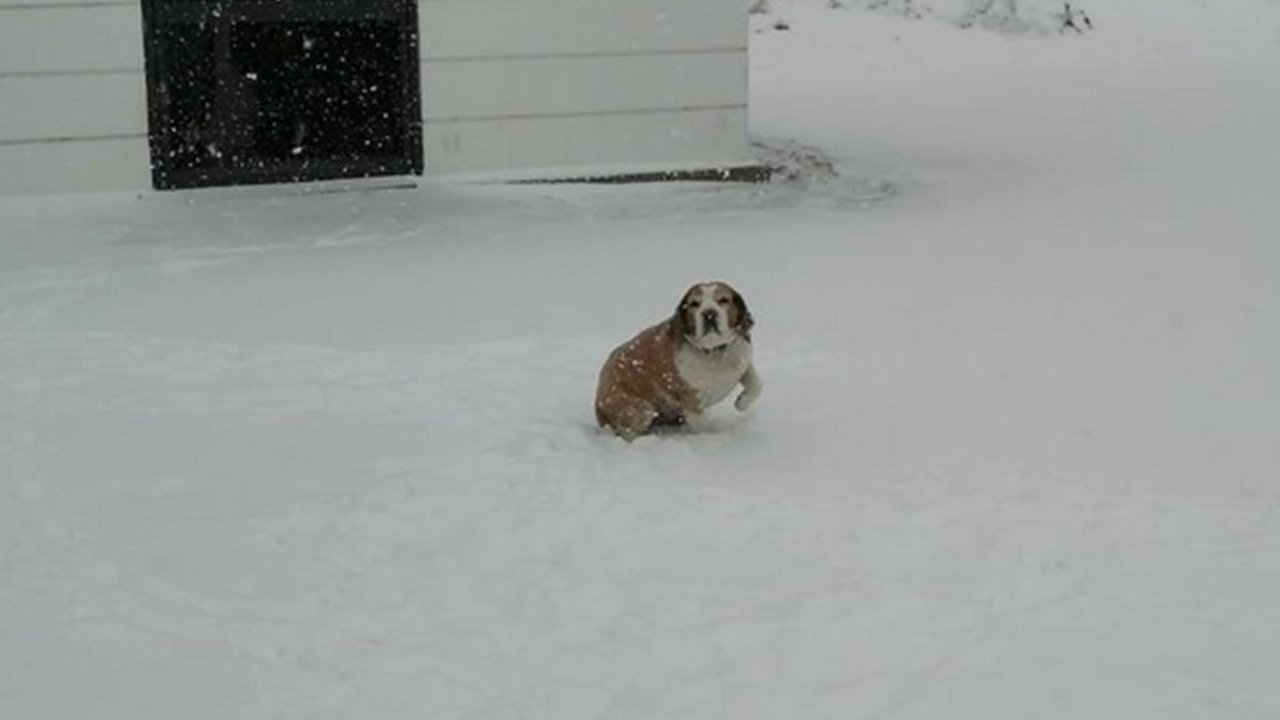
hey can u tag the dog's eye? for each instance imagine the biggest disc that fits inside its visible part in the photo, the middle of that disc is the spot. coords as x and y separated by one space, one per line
723 301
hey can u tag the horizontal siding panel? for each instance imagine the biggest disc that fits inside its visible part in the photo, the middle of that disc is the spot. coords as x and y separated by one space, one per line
550 86
676 137
517 28
5 4
81 166
70 39
71 106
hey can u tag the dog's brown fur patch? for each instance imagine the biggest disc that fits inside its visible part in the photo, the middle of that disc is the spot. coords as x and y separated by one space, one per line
639 383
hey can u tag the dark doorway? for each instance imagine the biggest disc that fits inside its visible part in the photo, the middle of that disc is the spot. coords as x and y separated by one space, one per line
255 91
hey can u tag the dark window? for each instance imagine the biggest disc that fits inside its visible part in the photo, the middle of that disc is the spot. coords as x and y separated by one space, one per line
252 91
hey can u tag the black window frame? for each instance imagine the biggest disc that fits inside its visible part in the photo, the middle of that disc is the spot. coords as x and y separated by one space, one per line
163 137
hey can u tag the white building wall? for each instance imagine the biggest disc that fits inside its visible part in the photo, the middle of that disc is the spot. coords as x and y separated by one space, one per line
599 84
73 112
508 85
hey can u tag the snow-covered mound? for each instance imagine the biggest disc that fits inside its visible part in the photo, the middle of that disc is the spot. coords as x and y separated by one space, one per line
1006 16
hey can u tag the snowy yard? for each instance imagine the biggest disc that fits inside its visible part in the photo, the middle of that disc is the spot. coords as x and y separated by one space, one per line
272 454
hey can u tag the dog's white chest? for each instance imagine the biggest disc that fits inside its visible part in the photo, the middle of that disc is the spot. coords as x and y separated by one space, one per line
713 375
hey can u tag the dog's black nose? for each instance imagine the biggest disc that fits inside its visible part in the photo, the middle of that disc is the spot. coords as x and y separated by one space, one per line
710 320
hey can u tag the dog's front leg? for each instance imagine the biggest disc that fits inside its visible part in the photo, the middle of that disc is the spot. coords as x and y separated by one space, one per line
751 388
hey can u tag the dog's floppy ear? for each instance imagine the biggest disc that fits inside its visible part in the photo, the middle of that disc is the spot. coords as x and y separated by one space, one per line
680 321
745 321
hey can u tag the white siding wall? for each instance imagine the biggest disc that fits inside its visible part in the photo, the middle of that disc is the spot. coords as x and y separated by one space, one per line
527 84
73 113
507 85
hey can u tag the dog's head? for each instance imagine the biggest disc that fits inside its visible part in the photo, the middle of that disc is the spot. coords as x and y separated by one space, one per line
712 315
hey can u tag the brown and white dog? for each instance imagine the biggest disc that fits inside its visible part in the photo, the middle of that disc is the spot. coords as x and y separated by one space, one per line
669 374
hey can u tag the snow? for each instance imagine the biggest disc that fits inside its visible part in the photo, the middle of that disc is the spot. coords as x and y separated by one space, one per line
293 453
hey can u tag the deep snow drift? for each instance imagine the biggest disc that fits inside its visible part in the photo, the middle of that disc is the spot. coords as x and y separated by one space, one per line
270 454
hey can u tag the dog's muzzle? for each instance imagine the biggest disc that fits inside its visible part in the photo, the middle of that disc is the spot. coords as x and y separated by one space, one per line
710 322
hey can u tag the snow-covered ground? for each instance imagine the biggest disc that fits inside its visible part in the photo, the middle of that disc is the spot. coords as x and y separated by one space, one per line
273 454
